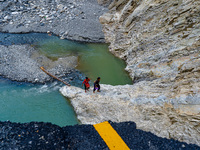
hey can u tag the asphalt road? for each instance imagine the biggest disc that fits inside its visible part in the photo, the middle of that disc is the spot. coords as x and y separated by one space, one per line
43 136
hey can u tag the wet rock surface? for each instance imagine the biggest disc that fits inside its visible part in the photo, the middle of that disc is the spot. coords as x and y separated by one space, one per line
125 103
71 19
38 135
23 62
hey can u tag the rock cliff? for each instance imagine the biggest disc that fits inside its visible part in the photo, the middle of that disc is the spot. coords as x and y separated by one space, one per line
160 42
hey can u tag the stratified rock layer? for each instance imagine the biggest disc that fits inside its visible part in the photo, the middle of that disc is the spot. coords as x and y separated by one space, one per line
160 42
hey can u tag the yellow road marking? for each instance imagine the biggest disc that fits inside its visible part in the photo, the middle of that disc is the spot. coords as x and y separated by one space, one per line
110 136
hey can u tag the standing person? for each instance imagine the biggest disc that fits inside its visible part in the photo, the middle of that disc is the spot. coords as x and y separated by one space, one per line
96 85
86 84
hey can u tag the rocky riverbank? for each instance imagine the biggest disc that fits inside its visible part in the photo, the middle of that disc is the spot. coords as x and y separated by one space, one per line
72 19
126 103
23 62
39 135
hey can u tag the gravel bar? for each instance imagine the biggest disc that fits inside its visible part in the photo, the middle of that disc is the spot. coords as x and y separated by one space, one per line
72 19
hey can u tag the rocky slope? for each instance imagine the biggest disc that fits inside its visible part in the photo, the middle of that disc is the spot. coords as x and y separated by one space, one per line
71 19
160 42
158 39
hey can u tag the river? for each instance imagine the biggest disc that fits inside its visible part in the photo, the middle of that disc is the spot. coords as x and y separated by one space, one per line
26 102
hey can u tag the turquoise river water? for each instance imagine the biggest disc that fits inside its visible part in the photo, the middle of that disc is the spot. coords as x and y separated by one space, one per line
26 102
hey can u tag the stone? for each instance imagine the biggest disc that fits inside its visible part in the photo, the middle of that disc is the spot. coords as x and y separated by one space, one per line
105 19
15 13
7 18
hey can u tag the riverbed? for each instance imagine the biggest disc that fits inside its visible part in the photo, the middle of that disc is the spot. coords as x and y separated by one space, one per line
26 102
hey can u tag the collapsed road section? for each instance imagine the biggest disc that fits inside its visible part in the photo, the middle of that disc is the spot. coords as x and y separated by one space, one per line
39 135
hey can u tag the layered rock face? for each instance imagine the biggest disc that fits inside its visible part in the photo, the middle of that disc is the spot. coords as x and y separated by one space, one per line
159 40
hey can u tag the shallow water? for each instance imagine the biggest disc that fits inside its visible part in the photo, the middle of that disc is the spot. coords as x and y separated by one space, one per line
25 102
100 62
94 59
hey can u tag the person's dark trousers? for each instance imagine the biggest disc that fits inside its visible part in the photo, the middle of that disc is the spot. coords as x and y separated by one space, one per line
98 86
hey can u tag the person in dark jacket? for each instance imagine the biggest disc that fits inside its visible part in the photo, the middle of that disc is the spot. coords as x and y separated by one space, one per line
96 85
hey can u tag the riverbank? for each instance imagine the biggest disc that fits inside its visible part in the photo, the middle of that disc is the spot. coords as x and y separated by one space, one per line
22 55
39 135
72 19
23 62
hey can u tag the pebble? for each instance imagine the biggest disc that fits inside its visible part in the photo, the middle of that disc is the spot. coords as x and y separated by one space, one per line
15 13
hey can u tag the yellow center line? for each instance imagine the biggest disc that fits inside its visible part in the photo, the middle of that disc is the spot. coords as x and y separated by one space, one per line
110 136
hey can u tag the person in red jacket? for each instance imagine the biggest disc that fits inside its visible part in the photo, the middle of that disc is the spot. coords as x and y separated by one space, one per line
86 84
